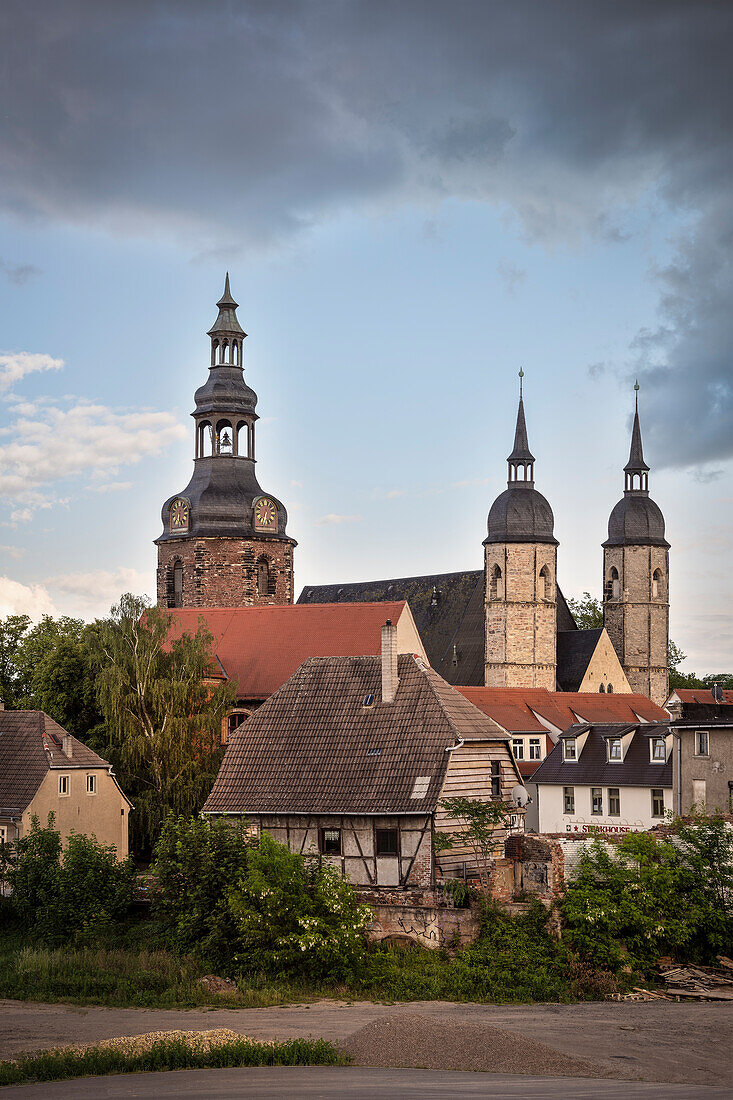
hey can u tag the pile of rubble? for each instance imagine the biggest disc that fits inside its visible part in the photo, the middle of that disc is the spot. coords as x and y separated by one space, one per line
700 982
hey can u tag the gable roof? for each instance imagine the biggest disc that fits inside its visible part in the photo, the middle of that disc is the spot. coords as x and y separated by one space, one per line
575 649
258 648
448 609
517 709
592 766
314 747
702 695
31 744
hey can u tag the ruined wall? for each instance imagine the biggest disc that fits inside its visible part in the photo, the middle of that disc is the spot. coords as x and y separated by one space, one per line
423 918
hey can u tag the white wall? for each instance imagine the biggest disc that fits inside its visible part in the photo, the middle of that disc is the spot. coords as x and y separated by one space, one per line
636 810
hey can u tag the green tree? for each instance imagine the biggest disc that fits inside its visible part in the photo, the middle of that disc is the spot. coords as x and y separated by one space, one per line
587 611
480 823
162 711
57 671
13 629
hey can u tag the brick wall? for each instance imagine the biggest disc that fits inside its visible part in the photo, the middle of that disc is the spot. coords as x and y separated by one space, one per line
220 572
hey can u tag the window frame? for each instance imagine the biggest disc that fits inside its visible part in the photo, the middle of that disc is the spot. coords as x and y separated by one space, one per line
322 847
706 735
570 750
65 782
92 786
655 741
518 748
596 800
658 802
381 831
496 778
535 743
614 798
610 744
568 801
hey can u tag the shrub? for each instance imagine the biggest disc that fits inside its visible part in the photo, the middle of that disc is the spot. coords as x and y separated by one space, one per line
73 892
295 913
195 864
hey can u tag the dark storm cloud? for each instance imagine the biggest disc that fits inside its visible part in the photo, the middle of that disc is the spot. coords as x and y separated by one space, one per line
240 123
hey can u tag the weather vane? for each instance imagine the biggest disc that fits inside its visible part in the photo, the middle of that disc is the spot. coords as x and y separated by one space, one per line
521 376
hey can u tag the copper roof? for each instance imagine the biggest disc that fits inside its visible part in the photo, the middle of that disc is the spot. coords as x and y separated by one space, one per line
31 744
325 743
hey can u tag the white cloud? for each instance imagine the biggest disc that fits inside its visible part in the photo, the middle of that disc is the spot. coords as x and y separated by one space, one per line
96 591
75 438
110 487
15 366
22 599
394 493
333 518
12 551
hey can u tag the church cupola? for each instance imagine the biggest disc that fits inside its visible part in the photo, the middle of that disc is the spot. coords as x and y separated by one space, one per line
224 540
520 574
636 578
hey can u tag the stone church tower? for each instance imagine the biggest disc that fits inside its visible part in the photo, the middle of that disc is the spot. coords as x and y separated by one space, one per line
224 542
636 579
520 574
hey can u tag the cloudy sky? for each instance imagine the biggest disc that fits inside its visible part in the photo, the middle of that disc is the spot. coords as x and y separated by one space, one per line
413 200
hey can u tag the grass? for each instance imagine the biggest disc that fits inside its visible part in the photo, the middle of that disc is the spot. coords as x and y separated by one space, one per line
58 1065
514 962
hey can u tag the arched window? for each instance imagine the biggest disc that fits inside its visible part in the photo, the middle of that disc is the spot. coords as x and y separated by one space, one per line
495 584
178 584
545 583
657 584
615 583
602 689
224 438
214 353
263 577
609 689
205 445
243 439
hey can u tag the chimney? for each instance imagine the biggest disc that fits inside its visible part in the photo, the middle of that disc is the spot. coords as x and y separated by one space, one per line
68 746
390 679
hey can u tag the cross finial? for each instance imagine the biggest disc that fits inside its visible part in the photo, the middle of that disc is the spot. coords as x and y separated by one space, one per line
521 376
636 388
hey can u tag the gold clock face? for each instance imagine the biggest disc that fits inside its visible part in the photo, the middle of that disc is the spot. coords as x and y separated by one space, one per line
265 515
179 515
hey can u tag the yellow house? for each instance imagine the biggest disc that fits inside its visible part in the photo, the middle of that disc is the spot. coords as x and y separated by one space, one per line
43 769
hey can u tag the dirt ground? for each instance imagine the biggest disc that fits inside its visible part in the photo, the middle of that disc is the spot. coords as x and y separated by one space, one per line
658 1041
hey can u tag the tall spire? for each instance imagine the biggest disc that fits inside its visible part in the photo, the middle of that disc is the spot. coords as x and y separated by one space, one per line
636 466
226 323
521 454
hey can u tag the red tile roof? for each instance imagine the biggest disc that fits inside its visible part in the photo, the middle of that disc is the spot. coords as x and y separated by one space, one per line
259 648
702 695
516 709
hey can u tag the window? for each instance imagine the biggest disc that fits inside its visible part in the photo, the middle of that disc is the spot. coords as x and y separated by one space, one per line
602 689
609 689
569 749
659 750
3 833
615 583
518 748
495 779
614 802
178 584
702 743
657 802
386 842
234 720
657 587
596 800
263 577
91 784
534 748
545 584
331 842
568 800
64 786
495 586
614 749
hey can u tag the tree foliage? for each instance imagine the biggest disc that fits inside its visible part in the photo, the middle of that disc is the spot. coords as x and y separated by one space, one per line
480 822
162 711
586 610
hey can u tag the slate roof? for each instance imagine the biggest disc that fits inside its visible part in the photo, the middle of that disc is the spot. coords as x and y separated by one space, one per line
448 609
516 709
575 648
258 648
30 746
593 769
314 747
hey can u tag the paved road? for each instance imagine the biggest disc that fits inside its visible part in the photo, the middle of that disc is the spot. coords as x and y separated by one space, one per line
653 1041
351 1084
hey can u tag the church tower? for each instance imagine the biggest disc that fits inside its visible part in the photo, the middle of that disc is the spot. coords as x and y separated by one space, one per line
224 542
636 579
520 574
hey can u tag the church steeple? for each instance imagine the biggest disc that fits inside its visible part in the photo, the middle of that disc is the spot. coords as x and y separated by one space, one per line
636 467
521 457
227 335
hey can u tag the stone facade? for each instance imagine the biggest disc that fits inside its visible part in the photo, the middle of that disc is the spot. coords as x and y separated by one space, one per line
636 615
425 917
521 615
226 572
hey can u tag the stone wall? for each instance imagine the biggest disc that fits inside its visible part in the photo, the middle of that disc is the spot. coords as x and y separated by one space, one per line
420 916
521 622
221 572
637 621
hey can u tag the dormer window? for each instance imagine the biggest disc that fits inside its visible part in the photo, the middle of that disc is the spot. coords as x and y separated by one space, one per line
615 753
570 749
659 750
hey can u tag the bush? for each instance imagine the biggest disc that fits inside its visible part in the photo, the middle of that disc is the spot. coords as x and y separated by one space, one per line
195 864
295 913
75 892
654 897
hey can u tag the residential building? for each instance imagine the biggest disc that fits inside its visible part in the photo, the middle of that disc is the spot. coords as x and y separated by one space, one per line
43 770
703 749
615 778
351 759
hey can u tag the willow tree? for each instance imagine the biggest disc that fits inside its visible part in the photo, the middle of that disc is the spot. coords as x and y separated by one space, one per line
163 712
